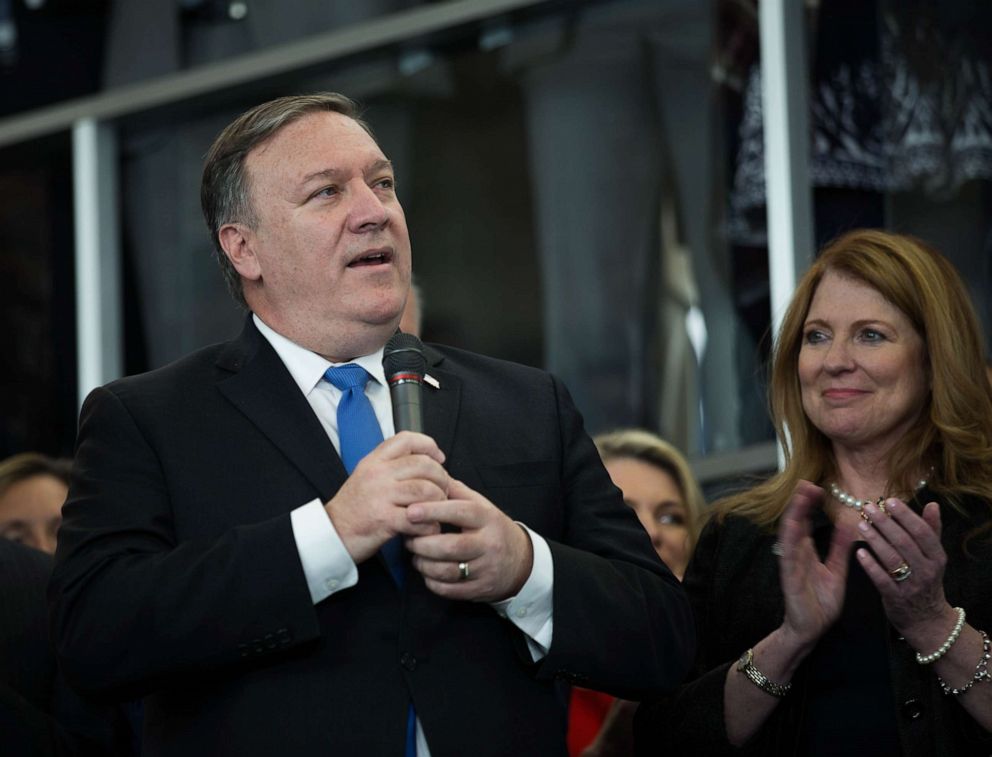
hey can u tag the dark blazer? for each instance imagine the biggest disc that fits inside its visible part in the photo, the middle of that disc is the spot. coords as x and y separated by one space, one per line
178 577
733 585
39 714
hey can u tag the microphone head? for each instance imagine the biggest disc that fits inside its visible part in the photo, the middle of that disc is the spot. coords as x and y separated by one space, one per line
403 359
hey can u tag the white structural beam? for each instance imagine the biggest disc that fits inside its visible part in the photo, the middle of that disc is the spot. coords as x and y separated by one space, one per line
785 105
784 99
243 70
99 331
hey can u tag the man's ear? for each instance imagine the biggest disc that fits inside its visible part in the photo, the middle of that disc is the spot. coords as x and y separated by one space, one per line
236 240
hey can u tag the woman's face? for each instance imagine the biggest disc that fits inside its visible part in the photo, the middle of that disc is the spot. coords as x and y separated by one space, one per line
31 511
861 366
656 498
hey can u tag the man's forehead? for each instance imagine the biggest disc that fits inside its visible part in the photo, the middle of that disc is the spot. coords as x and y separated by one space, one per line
322 124
324 141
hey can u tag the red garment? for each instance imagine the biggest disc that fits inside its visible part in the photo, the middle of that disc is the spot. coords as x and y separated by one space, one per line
587 710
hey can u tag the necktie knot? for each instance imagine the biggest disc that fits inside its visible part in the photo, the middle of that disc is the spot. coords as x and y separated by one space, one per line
348 376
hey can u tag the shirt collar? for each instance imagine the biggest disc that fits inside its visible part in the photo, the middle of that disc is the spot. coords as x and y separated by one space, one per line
307 367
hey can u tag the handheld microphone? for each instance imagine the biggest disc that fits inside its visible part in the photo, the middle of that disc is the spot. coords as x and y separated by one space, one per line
405 364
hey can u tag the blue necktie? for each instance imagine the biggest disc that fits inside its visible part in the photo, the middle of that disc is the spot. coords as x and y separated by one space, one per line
358 428
359 434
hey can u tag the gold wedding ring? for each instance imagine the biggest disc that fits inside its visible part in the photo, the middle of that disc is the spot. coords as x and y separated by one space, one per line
463 571
901 573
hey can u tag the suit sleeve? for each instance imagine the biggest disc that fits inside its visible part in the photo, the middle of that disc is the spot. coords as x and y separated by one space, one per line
621 619
131 607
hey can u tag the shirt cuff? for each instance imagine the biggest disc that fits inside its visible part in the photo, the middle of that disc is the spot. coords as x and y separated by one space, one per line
326 563
532 609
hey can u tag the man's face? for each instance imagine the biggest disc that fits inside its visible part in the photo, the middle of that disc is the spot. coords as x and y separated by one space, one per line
328 262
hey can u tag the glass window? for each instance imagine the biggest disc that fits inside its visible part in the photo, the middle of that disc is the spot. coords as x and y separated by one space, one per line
38 383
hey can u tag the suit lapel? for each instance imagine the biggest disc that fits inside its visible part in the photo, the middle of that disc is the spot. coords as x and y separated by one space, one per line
441 403
261 388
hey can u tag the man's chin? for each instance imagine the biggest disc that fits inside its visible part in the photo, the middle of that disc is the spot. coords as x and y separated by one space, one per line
384 313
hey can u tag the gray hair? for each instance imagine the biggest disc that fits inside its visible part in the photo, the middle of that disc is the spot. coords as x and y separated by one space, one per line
225 190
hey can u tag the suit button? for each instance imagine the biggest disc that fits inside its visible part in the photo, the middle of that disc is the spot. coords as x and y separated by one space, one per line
911 709
408 661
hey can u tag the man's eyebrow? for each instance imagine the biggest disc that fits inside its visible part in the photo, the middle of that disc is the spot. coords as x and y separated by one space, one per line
335 174
378 166
327 173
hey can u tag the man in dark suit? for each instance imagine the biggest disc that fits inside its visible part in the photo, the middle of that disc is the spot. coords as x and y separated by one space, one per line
218 559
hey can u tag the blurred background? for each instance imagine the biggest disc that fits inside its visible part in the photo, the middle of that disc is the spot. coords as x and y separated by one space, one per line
585 182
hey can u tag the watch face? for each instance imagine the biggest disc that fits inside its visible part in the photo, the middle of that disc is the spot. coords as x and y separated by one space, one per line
744 660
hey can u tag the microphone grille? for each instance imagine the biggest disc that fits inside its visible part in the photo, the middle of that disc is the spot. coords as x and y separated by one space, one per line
404 353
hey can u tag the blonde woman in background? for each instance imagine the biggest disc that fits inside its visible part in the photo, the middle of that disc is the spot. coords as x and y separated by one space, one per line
658 485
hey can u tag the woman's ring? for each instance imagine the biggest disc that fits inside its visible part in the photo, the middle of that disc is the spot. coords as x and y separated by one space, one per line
901 573
463 571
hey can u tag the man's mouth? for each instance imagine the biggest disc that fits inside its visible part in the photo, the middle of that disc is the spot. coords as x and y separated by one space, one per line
372 258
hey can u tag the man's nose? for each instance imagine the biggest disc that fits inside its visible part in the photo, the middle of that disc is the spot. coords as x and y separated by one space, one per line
367 211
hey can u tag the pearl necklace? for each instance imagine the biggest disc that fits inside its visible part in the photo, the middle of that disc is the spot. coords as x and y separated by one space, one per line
858 504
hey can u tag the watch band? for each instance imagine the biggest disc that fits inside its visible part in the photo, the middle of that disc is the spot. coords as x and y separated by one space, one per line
745 665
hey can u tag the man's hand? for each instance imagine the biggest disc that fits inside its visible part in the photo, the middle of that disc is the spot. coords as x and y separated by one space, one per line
370 508
497 552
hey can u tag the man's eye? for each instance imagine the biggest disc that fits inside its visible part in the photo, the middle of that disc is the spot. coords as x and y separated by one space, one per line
386 183
326 192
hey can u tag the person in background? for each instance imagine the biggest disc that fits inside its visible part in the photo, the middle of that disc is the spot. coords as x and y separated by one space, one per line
881 403
657 484
39 714
412 320
32 490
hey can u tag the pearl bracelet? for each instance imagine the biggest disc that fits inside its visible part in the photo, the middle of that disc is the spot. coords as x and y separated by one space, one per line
926 659
981 670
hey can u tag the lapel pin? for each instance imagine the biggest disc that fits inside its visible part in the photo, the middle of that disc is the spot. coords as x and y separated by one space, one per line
428 379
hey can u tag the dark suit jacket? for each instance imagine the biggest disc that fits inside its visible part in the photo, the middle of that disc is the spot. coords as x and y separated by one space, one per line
178 577
39 714
733 584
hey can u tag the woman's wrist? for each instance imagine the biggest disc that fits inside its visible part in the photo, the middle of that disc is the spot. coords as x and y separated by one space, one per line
796 646
929 634
784 651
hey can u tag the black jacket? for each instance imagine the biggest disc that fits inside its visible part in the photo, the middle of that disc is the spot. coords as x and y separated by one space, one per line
733 586
178 577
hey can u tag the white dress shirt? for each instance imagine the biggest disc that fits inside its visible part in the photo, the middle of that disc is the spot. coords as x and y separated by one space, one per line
327 565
